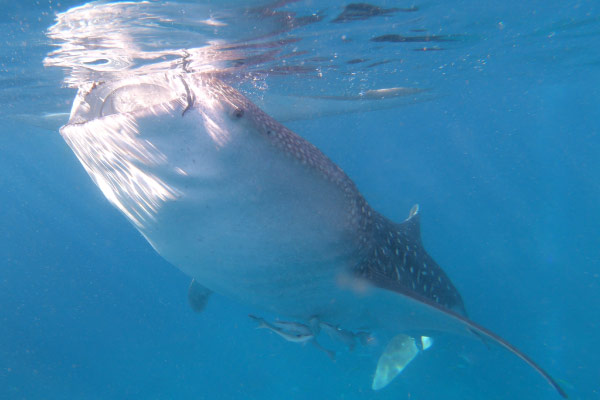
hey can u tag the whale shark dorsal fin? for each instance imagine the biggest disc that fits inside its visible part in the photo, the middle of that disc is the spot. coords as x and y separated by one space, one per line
412 225
413 211
198 296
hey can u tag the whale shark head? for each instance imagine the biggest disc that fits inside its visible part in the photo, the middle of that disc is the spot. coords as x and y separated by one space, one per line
219 188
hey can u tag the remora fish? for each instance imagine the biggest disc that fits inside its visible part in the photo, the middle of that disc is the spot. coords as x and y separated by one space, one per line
293 332
344 336
290 331
251 210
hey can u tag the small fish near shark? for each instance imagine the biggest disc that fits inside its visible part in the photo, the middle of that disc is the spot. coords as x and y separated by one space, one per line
399 352
293 332
300 333
251 210
290 331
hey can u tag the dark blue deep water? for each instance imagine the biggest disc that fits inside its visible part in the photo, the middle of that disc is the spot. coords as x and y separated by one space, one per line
502 153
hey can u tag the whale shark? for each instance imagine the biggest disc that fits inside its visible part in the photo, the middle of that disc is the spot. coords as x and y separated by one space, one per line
251 210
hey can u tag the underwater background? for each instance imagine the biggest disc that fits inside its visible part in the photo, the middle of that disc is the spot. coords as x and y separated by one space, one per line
501 151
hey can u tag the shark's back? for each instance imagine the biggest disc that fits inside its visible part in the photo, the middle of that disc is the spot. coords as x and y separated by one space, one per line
396 260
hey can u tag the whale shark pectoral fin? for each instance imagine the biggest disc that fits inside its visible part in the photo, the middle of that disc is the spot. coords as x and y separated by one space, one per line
484 333
198 296
426 342
399 352
484 339
441 318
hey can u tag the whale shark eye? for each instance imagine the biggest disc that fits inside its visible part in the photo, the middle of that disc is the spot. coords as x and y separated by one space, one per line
238 113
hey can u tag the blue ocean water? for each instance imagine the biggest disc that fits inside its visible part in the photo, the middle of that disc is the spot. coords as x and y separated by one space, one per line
502 154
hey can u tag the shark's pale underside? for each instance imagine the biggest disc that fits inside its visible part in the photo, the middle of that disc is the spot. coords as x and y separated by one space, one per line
253 211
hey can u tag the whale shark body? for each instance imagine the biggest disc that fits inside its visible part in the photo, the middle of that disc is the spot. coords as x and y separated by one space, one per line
251 210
